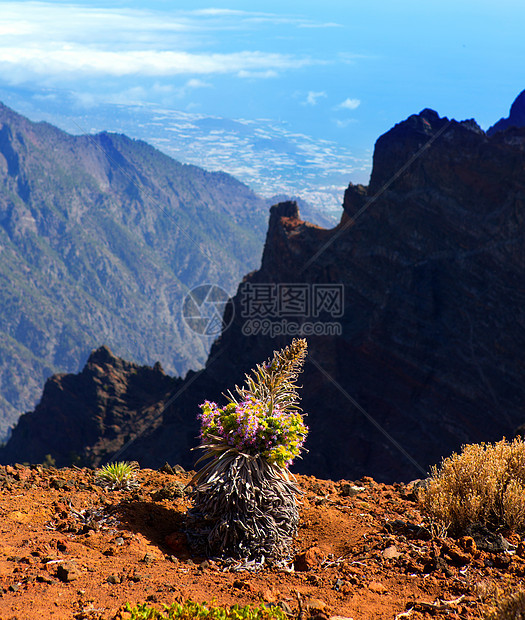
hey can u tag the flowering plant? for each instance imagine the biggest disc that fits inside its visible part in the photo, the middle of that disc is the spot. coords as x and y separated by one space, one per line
251 428
244 495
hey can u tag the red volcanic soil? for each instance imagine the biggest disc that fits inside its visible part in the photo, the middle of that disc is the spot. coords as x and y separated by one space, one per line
72 550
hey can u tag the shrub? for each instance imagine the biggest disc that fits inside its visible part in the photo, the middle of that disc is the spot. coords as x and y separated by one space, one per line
117 476
193 611
244 494
484 484
510 608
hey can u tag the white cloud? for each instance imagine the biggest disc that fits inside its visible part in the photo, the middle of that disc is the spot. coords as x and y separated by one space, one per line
195 83
269 73
344 123
348 104
25 62
313 97
52 37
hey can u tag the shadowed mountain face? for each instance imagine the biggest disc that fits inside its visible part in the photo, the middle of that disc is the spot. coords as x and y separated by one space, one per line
101 237
428 352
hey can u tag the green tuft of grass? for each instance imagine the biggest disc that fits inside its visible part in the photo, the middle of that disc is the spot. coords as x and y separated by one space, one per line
118 476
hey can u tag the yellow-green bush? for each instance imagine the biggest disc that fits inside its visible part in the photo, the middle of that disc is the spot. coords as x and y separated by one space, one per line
510 608
483 484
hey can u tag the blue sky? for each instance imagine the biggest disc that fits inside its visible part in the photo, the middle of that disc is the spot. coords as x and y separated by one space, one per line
342 70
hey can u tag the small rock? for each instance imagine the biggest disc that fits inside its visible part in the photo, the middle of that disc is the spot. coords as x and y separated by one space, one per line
269 595
239 584
454 555
166 468
487 540
391 553
316 605
204 565
468 544
339 583
350 490
520 551
148 558
43 578
23 474
58 484
309 559
170 491
113 579
377 587
14 587
62 546
502 561
67 571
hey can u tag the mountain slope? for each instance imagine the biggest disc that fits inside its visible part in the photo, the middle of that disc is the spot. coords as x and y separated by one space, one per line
101 237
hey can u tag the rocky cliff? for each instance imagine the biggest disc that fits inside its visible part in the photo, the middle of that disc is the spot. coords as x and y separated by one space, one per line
420 349
432 258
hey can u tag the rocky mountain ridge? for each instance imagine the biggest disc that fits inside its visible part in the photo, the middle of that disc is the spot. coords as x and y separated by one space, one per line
101 238
431 257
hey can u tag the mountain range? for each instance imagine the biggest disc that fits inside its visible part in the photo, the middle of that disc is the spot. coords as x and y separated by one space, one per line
265 154
101 238
413 307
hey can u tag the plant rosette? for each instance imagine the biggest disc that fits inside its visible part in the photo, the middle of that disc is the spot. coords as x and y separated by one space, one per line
245 504
253 429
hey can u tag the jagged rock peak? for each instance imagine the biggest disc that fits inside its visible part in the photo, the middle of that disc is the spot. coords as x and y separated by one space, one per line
289 208
516 117
102 355
406 144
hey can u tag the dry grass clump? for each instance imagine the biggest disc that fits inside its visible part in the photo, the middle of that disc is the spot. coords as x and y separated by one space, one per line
510 608
484 484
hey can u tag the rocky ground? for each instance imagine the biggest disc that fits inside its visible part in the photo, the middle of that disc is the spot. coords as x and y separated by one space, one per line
70 549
